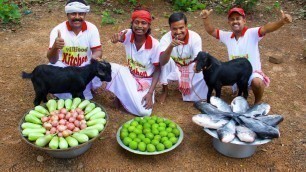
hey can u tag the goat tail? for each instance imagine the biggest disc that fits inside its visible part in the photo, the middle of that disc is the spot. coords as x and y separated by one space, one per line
25 75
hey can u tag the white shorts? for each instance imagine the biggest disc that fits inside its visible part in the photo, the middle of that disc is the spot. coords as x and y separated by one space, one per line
125 87
93 84
198 86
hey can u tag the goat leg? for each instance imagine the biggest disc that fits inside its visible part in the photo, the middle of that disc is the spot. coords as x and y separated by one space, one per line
210 89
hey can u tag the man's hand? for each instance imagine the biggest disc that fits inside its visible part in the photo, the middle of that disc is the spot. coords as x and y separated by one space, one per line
59 41
118 37
147 99
205 13
175 42
286 18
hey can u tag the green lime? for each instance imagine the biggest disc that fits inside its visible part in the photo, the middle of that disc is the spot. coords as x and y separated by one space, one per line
126 125
169 130
123 134
172 125
142 121
137 119
147 118
173 140
167 121
126 141
170 135
150 136
160 147
146 140
137 131
161 128
168 144
132 135
140 127
124 130
134 123
151 121
154 126
141 136
176 132
137 140
157 137
147 126
155 131
163 133
142 146
146 130
151 148
159 120
163 139
154 142
154 117
162 124
133 145
131 128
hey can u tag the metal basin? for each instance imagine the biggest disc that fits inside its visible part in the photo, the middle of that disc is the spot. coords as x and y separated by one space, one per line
236 148
69 152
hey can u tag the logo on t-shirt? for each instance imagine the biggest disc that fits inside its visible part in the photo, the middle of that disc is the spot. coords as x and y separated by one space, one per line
232 57
74 56
182 61
137 68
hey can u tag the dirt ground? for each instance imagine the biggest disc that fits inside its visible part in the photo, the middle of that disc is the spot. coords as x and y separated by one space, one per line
25 47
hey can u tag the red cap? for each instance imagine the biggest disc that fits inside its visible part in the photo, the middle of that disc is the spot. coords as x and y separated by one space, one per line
237 10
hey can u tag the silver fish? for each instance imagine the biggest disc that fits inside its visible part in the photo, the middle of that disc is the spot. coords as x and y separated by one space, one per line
208 121
207 108
244 134
261 129
227 133
272 120
239 105
258 110
220 104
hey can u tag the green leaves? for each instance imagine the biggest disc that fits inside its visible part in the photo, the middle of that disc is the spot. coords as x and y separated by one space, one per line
187 5
107 19
9 12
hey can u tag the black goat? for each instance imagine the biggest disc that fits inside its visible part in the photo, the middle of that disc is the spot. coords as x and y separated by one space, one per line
52 79
218 74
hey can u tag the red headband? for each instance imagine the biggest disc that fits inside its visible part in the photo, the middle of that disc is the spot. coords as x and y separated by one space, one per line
143 14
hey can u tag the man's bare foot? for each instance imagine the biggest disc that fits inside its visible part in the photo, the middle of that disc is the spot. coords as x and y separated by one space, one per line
164 94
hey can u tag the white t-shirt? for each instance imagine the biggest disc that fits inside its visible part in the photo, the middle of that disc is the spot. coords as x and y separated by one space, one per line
77 49
142 62
186 53
245 46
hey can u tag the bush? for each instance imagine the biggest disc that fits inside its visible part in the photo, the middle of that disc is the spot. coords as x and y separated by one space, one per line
9 12
225 5
187 5
107 19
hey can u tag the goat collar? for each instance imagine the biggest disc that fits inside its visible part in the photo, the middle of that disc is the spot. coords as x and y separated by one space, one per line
84 26
206 68
242 32
148 43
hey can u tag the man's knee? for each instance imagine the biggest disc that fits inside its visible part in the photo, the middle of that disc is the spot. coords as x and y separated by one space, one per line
257 83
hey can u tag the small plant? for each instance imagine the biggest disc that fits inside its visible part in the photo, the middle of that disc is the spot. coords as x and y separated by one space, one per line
118 11
107 19
187 5
9 12
225 5
96 1
133 2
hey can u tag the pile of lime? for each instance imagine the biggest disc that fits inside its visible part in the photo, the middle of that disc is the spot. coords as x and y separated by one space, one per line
149 134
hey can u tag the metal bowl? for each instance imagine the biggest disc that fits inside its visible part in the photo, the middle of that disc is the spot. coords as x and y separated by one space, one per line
71 152
236 148
180 139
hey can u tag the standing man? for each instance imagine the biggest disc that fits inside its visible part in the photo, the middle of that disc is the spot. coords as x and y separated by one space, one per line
180 47
75 42
243 42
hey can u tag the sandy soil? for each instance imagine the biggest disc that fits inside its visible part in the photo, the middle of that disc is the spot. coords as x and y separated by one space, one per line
26 47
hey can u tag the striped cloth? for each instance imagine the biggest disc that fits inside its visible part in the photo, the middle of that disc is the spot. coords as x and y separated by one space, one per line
184 85
265 77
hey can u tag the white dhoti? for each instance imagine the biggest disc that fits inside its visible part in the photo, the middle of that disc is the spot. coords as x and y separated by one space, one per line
94 84
125 87
198 87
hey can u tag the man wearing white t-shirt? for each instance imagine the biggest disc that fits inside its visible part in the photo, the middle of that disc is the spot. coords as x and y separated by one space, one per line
243 42
180 47
75 42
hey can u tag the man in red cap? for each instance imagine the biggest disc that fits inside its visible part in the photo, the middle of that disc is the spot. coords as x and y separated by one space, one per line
243 42
135 83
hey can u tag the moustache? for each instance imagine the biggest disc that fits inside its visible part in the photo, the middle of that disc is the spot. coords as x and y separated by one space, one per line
77 20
